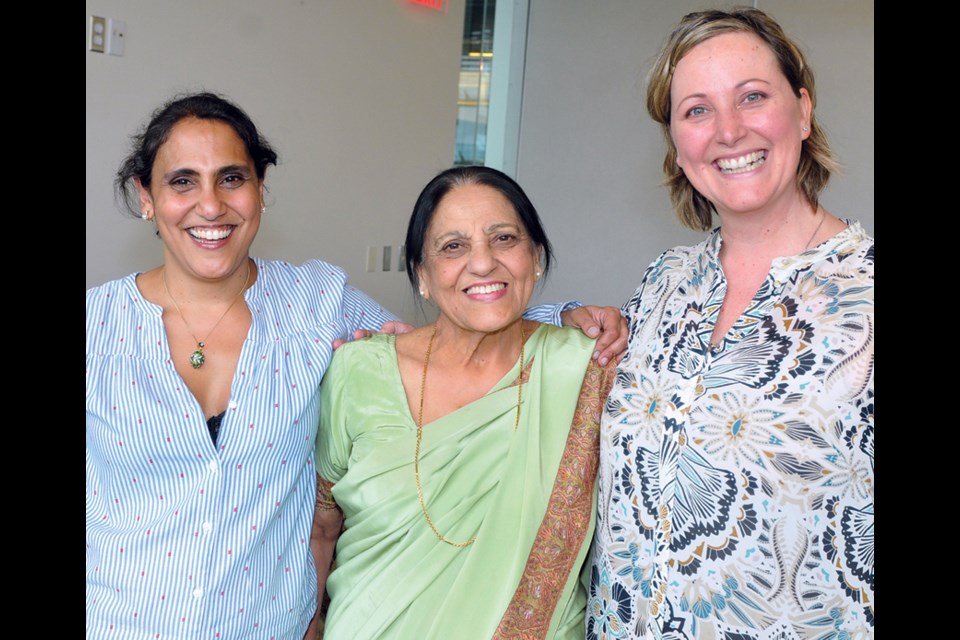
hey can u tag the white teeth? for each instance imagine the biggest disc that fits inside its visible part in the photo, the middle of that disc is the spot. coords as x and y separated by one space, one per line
742 164
205 233
487 288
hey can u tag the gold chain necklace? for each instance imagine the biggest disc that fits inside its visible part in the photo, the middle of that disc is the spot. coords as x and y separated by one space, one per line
197 358
814 235
416 455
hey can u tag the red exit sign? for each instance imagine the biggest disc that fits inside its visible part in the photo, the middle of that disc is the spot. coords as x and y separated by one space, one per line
439 5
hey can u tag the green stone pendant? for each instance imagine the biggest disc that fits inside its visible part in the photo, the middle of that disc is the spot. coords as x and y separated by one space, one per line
196 358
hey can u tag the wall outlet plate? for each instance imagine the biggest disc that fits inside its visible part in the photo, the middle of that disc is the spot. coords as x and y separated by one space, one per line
98 34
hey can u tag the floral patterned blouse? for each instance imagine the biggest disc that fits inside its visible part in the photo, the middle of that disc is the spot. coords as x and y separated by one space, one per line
736 481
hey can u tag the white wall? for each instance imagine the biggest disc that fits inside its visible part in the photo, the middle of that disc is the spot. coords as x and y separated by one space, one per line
359 98
591 158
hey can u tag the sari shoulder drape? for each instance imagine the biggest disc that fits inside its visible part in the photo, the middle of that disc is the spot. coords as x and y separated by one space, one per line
527 494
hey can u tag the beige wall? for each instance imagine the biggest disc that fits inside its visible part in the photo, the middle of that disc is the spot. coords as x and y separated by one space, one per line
359 100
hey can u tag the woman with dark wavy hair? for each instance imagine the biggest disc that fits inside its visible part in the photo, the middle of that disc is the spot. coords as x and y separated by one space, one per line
462 456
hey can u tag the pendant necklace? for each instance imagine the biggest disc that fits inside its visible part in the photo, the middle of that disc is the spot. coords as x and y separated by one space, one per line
416 455
814 235
197 358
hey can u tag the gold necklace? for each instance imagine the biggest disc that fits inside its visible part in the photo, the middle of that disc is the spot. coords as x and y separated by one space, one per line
197 358
416 455
810 241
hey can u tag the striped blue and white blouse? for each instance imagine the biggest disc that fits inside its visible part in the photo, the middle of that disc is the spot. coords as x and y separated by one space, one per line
185 540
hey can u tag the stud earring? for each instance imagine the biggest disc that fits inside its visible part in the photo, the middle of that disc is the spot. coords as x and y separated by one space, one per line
538 274
144 216
805 129
263 209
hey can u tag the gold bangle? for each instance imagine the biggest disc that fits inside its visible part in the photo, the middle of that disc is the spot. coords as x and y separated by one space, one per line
325 499
321 509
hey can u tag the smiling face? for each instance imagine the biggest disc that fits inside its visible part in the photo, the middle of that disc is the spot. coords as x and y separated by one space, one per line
479 265
738 125
206 199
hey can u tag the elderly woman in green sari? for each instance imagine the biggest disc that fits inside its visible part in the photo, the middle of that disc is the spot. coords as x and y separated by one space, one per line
462 457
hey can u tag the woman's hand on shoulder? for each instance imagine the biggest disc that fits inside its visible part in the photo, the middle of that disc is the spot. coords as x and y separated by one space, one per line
394 327
605 322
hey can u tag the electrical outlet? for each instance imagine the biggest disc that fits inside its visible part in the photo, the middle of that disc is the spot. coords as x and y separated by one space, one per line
98 34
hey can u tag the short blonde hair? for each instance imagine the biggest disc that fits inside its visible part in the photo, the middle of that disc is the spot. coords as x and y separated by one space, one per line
816 158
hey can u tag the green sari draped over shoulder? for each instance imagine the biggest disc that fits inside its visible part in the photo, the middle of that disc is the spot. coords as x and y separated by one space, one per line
527 494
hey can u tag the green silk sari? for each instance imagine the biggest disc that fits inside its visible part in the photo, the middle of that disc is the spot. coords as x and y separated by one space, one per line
527 494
